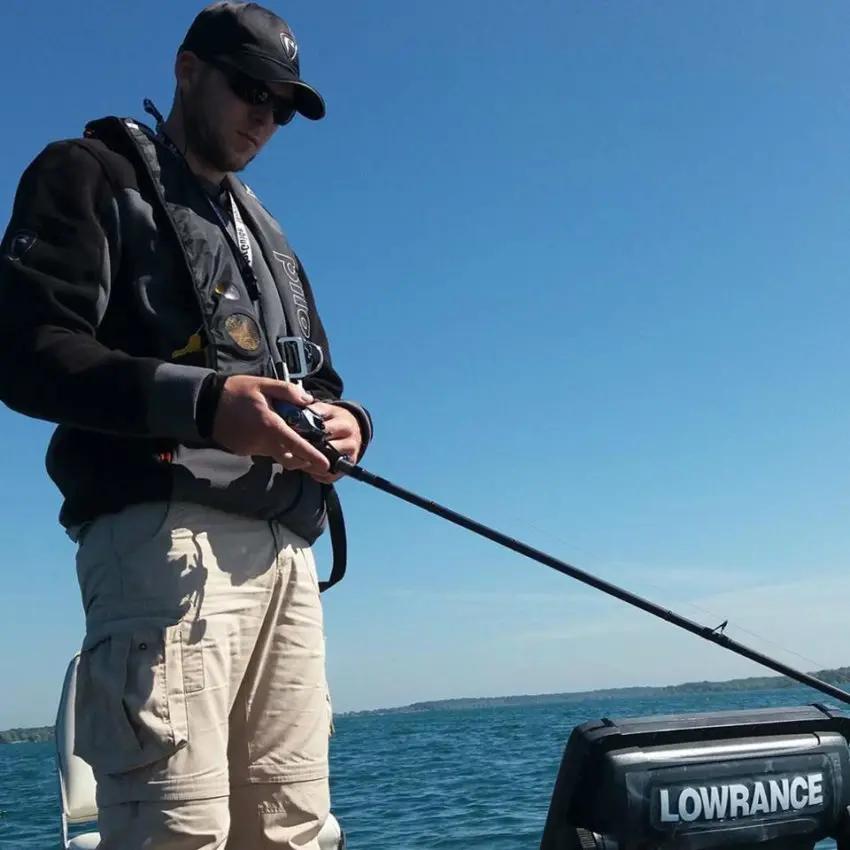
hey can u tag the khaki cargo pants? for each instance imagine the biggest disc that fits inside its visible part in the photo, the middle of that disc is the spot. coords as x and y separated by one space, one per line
202 702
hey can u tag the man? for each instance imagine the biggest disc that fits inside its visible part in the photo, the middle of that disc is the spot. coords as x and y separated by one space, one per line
143 290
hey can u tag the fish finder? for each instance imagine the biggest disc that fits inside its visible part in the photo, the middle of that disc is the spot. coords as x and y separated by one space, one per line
777 779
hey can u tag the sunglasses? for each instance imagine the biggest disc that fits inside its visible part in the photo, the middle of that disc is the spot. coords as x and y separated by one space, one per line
256 93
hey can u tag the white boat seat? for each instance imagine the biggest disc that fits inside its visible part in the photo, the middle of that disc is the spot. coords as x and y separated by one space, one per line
86 841
78 789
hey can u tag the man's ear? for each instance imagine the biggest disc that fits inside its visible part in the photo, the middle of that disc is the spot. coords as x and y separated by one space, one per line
187 69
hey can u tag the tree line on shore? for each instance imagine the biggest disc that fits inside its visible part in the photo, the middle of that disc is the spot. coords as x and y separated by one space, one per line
835 676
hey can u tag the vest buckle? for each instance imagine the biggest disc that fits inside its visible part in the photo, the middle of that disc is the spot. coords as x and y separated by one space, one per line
300 358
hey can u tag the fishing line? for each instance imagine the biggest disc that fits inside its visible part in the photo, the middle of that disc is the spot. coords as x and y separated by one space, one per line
730 624
685 602
714 634
602 563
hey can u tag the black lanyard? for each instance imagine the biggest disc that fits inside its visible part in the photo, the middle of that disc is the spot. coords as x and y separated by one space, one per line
242 246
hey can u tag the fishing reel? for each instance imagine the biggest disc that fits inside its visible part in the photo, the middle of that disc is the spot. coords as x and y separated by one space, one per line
300 359
305 422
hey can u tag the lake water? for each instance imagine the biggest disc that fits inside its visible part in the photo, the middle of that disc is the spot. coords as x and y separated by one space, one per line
466 779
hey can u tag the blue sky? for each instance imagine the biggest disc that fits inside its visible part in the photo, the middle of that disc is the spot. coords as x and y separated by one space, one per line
587 264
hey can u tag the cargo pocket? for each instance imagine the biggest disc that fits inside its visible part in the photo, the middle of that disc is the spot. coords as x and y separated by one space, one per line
130 702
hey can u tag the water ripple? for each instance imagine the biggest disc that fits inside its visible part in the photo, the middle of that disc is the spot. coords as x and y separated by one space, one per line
475 779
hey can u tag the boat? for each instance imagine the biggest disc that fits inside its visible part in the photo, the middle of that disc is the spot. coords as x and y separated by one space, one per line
78 789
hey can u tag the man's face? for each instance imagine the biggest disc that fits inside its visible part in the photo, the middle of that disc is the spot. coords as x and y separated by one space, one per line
228 120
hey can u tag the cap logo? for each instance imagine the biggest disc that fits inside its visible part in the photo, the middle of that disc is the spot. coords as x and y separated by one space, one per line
290 48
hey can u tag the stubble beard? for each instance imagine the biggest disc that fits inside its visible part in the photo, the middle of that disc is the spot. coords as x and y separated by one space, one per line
207 142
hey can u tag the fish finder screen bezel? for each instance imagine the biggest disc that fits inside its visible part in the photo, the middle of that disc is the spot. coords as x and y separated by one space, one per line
701 781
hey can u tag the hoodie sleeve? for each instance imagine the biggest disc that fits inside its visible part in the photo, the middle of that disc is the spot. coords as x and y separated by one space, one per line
58 261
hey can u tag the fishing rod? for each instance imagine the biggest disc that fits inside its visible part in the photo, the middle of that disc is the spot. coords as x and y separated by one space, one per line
309 426
715 635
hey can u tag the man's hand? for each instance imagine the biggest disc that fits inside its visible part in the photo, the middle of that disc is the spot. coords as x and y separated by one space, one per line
342 432
246 424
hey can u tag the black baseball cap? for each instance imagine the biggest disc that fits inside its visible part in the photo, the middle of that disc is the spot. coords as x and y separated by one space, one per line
255 41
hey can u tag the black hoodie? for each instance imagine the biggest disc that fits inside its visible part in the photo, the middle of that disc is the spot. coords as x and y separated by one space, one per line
83 343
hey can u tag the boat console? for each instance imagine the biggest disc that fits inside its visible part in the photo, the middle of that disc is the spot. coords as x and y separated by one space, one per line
777 779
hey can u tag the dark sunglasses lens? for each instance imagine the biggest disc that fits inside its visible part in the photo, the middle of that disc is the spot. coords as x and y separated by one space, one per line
283 112
255 93
244 87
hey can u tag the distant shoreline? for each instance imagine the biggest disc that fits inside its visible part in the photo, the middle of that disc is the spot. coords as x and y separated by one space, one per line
834 676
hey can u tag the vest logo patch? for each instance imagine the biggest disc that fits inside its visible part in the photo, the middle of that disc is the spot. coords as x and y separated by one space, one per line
243 330
20 243
293 280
